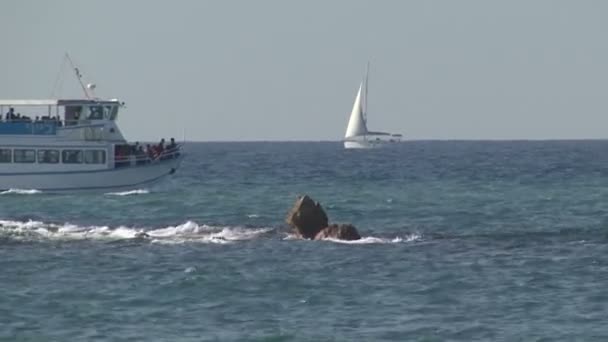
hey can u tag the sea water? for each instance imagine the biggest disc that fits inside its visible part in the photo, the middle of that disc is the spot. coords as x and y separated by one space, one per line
462 241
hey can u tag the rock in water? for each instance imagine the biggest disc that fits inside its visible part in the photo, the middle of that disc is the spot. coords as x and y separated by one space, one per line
309 221
339 231
307 217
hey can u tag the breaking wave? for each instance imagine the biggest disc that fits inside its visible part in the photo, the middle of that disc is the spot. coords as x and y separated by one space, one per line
367 240
129 193
184 233
376 240
21 192
188 232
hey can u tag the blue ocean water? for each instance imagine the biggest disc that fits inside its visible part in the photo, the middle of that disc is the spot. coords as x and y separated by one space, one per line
463 241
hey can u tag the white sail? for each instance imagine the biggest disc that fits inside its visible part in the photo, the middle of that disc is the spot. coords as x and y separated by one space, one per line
356 123
357 135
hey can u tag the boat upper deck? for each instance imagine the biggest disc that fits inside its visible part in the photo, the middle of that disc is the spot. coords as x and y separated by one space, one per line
58 102
59 113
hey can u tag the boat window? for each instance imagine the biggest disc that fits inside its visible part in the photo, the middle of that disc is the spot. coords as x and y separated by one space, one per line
48 156
72 115
95 157
24 156
5 155
71 156
113 112
96 113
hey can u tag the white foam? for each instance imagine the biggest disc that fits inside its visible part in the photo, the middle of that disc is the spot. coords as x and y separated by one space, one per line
129 193
188 232
21 192
193 232
376 240
290 236
240 234
365 240
253 215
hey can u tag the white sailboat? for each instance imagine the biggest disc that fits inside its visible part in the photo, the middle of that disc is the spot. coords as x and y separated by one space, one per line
357 135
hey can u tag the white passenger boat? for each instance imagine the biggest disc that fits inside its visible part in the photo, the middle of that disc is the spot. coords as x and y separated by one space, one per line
75 144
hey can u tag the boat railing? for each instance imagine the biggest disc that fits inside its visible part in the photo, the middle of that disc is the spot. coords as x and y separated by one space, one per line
38 127
28 127
147 158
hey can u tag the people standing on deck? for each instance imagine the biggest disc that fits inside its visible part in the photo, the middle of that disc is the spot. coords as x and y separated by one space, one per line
171 145
172 149
10 115
149 151
129 154
158 150
134 148
140 155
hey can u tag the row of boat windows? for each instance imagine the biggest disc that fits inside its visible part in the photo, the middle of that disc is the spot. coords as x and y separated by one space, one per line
52 156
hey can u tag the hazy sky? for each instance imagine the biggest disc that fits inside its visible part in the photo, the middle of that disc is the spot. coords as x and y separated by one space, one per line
289 70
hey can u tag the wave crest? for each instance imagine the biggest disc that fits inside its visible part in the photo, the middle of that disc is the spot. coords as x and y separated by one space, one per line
21 192
366 240
129 193
376 240
187 232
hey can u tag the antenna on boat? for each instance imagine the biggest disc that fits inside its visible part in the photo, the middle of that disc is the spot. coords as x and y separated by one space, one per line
79 77
91 89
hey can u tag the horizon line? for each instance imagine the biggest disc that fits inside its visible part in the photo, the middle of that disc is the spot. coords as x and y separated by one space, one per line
403 141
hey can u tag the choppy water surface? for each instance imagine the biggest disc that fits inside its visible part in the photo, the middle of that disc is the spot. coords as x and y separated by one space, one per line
462 241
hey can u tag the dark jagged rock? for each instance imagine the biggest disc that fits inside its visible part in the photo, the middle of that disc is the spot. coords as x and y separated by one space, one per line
309 221
307 217
339 231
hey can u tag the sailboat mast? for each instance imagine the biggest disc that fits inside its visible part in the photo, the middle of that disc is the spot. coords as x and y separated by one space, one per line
366 87
365 98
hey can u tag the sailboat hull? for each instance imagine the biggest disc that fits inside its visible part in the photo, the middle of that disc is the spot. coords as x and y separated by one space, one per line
368 144
359 145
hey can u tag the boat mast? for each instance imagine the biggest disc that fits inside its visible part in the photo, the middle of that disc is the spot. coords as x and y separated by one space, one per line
365 97
78 75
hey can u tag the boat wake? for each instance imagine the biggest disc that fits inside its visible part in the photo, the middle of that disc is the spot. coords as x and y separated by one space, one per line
129 193
188 232
21 192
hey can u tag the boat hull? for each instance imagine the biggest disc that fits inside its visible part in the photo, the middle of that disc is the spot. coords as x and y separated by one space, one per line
117 179
359 145
368 144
